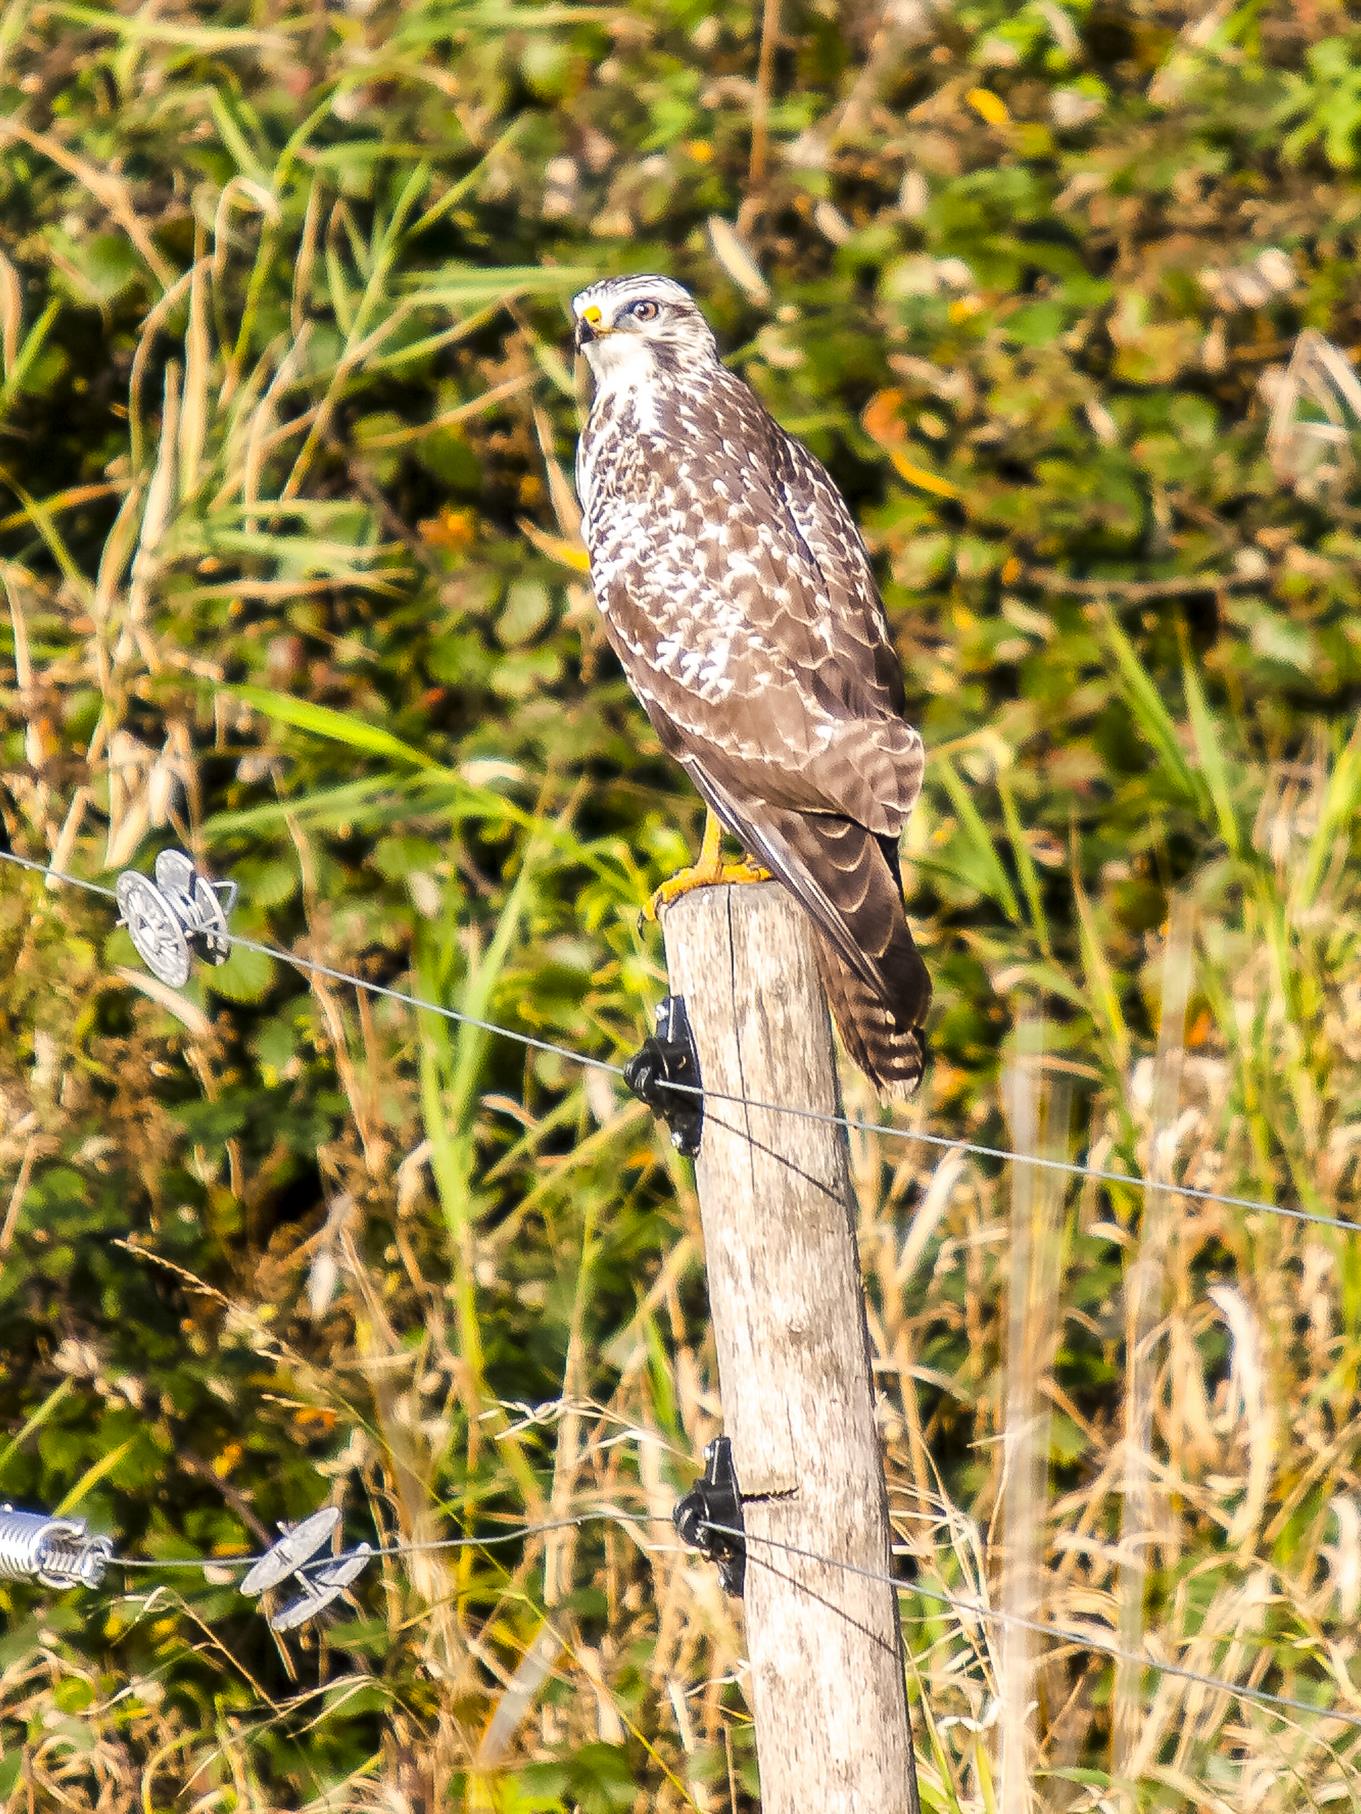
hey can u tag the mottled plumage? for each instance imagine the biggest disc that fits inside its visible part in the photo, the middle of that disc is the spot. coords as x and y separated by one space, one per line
739 598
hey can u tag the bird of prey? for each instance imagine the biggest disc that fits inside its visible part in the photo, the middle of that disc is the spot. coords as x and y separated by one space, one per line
739 598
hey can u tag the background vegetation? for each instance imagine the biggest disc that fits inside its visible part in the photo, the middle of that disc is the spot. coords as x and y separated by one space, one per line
289 561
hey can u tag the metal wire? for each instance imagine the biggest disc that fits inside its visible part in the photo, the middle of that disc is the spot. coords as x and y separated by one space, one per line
23 1558
518 1535
40 1550
56 875
1083 1640
941 1142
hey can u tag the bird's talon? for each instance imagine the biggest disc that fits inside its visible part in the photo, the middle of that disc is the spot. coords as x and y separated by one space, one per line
746 871
701 875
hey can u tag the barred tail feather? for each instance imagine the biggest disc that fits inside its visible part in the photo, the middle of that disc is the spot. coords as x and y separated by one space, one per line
884 1040
848 880
879 1017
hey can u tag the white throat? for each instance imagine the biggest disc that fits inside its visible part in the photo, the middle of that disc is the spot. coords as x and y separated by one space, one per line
623 365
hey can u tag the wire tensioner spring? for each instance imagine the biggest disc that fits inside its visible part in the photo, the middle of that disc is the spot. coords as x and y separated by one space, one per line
59 1552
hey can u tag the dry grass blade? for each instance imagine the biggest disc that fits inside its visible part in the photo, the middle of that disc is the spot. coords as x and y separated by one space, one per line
1312 452
1141 1519
108 189
1032 1340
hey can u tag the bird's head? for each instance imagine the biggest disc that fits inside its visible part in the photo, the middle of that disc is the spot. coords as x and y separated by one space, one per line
632 329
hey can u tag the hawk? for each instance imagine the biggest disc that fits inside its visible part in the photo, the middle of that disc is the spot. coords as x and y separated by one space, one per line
738 596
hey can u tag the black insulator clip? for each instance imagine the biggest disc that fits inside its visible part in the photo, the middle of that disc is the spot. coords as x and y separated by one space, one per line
662 1062
709 1517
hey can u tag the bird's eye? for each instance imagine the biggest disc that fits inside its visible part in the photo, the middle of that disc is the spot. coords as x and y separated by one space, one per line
643 310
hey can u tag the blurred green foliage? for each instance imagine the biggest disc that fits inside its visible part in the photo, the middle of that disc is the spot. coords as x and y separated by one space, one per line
286 429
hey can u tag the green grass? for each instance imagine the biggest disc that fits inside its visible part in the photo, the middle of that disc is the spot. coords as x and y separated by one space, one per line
289 576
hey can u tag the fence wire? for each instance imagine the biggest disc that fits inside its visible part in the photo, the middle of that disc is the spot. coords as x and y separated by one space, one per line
1085 1638
920 1136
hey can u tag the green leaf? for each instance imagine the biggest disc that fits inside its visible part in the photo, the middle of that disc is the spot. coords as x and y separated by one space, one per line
1151 716
245 977
338 727
1214 766
978 856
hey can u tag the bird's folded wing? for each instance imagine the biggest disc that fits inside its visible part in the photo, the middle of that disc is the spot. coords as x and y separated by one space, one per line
729 635
775 838
861 640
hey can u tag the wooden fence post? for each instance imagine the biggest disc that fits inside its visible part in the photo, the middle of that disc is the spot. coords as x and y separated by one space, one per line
825 1646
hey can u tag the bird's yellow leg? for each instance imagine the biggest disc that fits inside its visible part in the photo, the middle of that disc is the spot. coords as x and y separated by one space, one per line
708 870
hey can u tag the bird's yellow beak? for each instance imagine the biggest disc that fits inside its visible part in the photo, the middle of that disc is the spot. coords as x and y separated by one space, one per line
589 326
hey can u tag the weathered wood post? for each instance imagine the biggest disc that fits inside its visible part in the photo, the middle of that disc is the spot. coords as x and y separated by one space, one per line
825 1645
